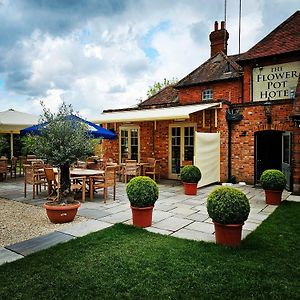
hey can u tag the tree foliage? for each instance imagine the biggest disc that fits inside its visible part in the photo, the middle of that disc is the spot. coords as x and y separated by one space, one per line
61 142
158 86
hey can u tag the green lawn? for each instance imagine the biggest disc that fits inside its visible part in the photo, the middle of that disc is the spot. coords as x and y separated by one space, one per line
126 262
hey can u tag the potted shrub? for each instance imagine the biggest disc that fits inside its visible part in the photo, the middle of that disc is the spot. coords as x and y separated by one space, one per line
61 143
190 176
229 208
273 182
142 193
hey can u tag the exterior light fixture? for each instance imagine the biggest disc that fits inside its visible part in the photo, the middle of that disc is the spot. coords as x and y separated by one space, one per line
268 108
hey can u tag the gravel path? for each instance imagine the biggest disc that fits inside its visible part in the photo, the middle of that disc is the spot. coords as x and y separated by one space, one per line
19 222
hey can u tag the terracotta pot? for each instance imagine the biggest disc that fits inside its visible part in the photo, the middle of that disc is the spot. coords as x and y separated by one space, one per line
228 234
273 197
142 216
190 188
61 213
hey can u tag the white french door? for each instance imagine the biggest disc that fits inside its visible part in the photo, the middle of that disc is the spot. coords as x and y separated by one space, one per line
181 147
129 143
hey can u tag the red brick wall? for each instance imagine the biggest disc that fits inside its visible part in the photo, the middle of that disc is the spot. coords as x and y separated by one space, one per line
229 90
243 146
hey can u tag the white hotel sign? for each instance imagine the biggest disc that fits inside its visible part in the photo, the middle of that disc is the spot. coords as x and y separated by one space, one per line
275 82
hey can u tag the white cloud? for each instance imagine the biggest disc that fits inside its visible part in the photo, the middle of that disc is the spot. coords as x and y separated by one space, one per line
97 61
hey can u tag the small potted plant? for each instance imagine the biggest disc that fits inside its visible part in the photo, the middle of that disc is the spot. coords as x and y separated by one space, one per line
142 193
229 209
273 182
190 176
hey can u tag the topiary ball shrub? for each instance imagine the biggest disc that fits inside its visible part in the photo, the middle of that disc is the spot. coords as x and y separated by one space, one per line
142 191
227 205
190 174
273 180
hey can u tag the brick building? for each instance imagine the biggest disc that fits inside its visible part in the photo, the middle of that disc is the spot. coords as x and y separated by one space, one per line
235 115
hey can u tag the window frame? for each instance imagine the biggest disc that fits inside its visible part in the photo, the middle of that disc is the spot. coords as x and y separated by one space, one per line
207 93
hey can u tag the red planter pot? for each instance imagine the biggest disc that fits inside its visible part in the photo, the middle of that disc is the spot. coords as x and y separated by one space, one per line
228 234
142 216
273 197
190 188
61 213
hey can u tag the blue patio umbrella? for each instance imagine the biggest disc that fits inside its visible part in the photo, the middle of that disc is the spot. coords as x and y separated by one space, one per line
93 129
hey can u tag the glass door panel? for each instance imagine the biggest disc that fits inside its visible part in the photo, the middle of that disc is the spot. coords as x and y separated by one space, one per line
176 145
129 144
182 148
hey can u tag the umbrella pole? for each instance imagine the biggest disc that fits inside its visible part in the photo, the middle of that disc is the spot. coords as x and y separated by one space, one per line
11 145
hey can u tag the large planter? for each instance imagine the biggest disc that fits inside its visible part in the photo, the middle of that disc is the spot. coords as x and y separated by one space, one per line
61 213
142 216
228 234
190 188
273 197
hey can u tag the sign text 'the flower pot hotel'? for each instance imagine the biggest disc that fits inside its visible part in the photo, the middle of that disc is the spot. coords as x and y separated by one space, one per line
275 82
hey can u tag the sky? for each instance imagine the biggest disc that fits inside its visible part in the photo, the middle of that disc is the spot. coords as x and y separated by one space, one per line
105 54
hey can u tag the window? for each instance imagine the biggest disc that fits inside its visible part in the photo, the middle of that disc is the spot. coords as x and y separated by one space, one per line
207 94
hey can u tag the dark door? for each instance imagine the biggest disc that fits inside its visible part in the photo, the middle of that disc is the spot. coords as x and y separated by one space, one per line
268 152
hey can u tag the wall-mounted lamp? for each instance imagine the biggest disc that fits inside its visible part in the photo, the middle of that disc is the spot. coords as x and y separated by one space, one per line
268 110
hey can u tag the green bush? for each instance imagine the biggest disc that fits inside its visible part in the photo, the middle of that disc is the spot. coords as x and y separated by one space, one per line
273 180
190 174
142 191
227 205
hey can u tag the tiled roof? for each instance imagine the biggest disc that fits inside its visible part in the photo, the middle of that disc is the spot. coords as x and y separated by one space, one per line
218 67
283 39
168 95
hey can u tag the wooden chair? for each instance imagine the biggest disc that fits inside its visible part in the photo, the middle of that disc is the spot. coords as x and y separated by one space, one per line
104 182
22 161
35 176
53 183
131 169
81 165
12 167
3 168
153 169
78 184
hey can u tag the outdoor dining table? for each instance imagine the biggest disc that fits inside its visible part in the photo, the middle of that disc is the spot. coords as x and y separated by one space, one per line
86 172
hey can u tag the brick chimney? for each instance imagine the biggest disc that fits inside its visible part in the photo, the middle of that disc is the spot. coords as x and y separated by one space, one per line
218 39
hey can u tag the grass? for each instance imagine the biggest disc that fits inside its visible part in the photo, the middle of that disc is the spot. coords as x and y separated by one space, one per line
131 263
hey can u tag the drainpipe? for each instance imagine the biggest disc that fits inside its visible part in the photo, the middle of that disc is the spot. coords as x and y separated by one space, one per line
232 115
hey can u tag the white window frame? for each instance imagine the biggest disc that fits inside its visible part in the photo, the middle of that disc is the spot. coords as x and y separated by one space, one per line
207 94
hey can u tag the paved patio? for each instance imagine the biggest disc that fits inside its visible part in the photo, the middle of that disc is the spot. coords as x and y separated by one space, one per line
175 214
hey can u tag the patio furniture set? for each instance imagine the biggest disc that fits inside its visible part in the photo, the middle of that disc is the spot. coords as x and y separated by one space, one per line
87 177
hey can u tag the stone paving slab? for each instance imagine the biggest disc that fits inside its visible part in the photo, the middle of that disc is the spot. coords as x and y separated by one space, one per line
159 215
201 226
173 223
39 243
293 198
84 228
194 235
92 213
160 231
8 256
198 216
120 217
250 225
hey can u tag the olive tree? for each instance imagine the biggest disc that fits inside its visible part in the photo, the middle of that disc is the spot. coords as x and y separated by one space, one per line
61 142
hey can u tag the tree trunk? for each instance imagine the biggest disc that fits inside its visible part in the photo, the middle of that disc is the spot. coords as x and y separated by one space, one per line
65 182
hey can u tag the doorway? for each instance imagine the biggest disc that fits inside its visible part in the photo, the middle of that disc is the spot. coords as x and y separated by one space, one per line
181 147
273 151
